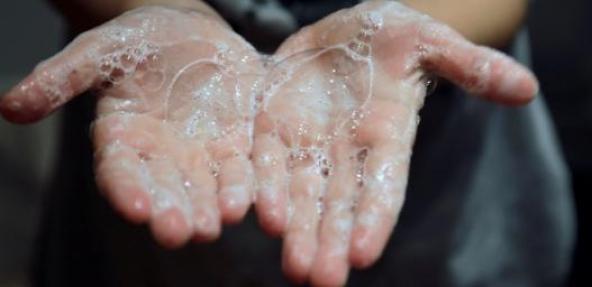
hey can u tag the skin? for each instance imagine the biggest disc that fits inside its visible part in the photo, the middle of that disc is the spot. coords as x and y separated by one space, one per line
329 123
369 110
485 22
172 133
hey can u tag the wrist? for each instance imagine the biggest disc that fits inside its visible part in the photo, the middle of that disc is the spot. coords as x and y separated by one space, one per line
86 14
194 5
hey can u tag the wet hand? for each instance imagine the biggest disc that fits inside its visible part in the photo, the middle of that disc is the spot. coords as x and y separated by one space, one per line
172 134
334 135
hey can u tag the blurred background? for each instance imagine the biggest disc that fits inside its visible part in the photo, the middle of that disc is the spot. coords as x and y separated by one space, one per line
30 30
561 39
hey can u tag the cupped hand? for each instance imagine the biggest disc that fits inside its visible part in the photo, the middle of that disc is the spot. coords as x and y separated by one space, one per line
174 118
334 135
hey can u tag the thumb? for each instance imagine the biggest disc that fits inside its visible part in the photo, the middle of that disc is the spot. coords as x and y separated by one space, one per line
479 70
53 82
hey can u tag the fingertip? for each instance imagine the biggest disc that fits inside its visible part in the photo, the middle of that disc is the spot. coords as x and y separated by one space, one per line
527 89
234 202
328 272
361 258
516 86
296 262
136 207
272 223
363 252
170 229
272 219
207 226
24 103
11 109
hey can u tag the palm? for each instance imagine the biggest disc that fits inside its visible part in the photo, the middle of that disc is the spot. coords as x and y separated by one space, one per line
333 139
176 131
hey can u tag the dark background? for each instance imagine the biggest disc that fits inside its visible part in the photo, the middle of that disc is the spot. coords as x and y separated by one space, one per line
561 35
561 38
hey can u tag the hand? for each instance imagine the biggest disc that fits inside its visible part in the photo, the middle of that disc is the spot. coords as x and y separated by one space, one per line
339 114
173 130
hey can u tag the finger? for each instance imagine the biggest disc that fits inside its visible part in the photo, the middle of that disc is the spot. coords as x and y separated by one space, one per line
384 182
300 242
201 189
269 159
170 222
331 265
235 188
118 176
479 70
54 82
170 219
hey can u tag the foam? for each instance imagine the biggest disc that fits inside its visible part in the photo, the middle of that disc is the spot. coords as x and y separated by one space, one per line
215 92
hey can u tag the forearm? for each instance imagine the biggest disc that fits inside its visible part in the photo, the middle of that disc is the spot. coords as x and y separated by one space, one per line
485 22
85 14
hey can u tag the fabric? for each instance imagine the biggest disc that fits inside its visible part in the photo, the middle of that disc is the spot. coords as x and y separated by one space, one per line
488 202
